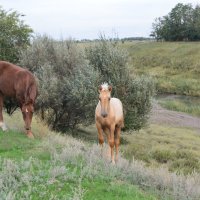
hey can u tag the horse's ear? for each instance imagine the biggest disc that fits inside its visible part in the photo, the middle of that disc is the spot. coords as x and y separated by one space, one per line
100 88
110 88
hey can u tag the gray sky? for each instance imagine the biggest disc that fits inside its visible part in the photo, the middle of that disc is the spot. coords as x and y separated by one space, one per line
80 19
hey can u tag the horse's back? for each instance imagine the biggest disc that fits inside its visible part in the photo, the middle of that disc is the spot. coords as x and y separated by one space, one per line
14 80
7 78
7 68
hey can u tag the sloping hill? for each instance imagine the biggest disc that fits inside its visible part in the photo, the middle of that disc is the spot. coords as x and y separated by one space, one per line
175 65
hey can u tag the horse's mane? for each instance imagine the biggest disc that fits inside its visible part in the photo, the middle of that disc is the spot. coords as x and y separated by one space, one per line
104 86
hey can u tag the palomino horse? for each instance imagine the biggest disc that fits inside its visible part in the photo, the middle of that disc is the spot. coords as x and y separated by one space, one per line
20 84
109 119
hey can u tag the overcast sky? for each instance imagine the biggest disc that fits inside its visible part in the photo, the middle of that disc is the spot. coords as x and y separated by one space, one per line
86 19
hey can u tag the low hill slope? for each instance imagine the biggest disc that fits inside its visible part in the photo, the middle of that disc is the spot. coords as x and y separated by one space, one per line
60 167
175 65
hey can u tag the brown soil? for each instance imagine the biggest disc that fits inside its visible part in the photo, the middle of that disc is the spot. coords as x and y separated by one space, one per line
161 115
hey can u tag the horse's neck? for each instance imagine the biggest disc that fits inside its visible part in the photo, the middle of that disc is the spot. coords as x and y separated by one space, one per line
116 107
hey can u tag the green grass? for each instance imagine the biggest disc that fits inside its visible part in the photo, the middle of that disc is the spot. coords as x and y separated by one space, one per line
182 104
16 145
175 65
58 167
178 149
35 169
113 190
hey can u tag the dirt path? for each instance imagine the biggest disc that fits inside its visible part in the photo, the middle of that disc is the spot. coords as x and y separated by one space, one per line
161 115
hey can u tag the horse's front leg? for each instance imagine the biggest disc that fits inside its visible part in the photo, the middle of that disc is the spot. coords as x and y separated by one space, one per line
111 143
100 136
2 124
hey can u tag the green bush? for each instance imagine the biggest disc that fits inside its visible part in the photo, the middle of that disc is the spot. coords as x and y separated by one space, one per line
67 84
135 92
69 78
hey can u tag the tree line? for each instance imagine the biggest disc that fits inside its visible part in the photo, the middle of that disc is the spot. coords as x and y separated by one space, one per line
181 24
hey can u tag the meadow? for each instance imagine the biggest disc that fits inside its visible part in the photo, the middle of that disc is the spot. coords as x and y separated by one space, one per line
174 65
158 162
59 167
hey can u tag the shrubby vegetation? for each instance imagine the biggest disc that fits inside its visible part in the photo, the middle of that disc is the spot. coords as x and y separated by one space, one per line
67 84
181 24
134 92
69 78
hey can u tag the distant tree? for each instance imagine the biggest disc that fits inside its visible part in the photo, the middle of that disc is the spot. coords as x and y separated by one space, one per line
196 23
14 35
182 23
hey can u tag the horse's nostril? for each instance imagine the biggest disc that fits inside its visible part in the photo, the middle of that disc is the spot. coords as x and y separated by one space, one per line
104 115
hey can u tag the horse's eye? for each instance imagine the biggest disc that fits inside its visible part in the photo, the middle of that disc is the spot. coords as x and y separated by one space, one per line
99 99
109 98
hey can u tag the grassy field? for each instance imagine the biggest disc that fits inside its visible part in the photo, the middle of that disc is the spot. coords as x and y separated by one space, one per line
177 149
32 169
175 65
39 168
53 166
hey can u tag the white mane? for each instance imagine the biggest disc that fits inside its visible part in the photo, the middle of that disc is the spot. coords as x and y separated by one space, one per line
105 86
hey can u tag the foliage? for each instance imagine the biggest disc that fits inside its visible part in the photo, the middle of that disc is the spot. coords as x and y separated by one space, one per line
182 23
14 35
135 92
67 84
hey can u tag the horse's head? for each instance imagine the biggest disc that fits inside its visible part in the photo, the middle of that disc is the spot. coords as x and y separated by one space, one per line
104 98
27 112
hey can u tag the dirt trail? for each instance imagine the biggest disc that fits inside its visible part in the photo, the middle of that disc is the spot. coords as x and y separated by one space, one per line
161 115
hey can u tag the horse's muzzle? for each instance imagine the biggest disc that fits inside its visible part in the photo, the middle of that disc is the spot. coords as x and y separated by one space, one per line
104 114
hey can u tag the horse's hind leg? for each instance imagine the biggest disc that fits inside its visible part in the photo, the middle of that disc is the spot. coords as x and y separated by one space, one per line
2 124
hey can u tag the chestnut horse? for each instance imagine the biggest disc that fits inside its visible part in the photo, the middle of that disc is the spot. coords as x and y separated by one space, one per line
109 119
20 84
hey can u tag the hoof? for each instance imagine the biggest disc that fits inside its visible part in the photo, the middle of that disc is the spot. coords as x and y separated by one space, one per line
30 135
112 162
3 126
